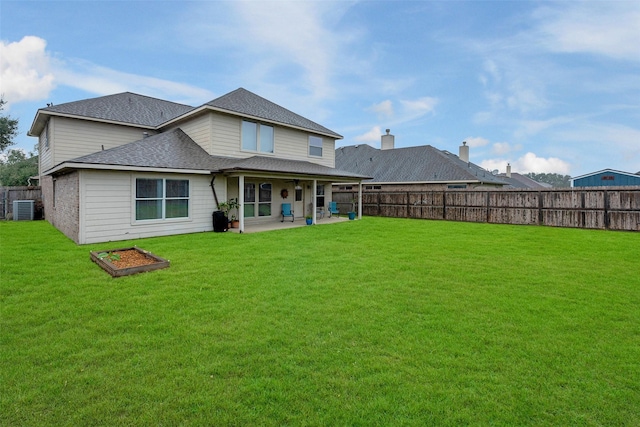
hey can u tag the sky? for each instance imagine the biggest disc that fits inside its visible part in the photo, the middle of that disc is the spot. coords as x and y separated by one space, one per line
548 87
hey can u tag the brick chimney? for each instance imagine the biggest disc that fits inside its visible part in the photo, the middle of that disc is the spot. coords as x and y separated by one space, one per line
464 152
388 141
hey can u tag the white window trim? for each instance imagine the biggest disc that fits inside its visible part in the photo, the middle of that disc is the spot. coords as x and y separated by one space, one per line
321 146
256 203
257 150
163 220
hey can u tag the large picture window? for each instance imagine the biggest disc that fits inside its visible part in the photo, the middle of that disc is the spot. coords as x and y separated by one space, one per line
161 198
257 203
257 137
315 146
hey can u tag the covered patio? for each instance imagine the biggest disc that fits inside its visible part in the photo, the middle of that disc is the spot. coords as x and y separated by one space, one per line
268 190
257 227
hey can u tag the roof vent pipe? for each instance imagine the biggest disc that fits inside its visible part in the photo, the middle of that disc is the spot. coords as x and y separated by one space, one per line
464 152
388 141
145 134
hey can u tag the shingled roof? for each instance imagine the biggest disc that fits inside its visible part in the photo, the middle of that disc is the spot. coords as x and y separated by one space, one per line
125 108
169 150
246 103
175 150
410 165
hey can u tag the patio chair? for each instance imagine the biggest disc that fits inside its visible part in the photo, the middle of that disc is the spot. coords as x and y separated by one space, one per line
333 209
286 211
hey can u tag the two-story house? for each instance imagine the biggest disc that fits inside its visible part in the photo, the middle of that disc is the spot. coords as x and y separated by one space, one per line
128 166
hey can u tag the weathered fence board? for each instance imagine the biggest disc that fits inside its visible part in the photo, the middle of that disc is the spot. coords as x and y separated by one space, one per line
613 208
9 194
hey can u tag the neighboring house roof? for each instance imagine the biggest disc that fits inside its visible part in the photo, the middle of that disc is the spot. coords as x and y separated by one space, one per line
175 150
521 181
122 108
634 175
410 165
245 103
607 178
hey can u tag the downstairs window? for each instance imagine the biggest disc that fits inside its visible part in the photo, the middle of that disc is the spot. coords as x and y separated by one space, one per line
161 198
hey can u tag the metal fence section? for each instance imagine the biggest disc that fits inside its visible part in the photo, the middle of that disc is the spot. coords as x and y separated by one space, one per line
610 208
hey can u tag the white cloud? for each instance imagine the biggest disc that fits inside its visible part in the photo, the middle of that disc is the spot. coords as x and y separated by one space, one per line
419 107
103 81
502 148
25 73
609 28
476 141
530 162
29 73
383 109
372 135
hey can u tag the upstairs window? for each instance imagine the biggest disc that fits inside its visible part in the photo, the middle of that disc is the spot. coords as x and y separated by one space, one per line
257 137
315 146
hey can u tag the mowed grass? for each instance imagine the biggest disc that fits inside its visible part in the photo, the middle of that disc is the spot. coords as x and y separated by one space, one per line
372 322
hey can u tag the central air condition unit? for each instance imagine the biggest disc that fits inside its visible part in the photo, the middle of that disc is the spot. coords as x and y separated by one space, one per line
23 210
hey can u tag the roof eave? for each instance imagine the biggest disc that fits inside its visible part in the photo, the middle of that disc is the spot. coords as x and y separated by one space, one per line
65 166
35 131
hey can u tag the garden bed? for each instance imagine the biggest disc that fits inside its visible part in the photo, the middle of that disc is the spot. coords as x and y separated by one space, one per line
127 261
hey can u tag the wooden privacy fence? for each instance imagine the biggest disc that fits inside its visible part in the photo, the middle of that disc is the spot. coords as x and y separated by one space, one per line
611 208
9 194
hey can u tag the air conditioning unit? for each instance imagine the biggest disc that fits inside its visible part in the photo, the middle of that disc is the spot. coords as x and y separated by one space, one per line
23 210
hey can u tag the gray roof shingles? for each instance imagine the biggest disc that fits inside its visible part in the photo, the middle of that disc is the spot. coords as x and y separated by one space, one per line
411 164
123 107
169 150
175 150
243 102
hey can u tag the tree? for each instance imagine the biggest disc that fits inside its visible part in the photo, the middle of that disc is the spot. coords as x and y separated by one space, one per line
17 168
8 129
554 179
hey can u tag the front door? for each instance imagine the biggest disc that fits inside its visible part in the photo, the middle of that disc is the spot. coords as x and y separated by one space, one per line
298 201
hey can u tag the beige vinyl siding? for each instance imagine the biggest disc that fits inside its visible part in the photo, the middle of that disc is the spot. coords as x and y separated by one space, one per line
289 143
294 145
226 136
74 138
107 207
199 129
45 151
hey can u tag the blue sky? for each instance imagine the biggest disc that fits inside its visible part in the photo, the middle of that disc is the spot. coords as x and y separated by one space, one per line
544 86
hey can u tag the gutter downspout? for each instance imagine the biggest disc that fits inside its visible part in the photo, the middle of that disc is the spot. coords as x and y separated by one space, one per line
215 196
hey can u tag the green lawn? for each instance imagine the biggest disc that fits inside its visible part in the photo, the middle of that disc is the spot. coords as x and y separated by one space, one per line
373 322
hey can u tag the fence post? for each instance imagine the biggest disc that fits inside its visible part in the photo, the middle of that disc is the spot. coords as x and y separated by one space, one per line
607 220
540 207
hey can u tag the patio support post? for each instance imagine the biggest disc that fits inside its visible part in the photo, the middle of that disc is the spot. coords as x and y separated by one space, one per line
313 200
360 200
241 202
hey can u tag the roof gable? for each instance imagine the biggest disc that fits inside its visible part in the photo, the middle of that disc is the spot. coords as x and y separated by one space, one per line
245 103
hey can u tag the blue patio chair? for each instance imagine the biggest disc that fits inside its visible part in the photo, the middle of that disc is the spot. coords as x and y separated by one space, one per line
286 211
333 209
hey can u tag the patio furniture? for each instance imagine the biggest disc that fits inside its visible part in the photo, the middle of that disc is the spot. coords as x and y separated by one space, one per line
286 211
333 209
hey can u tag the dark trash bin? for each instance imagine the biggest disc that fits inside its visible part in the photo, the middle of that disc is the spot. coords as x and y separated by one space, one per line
220 221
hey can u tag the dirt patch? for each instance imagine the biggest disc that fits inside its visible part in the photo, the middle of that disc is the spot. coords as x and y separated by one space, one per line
127 261
131 258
